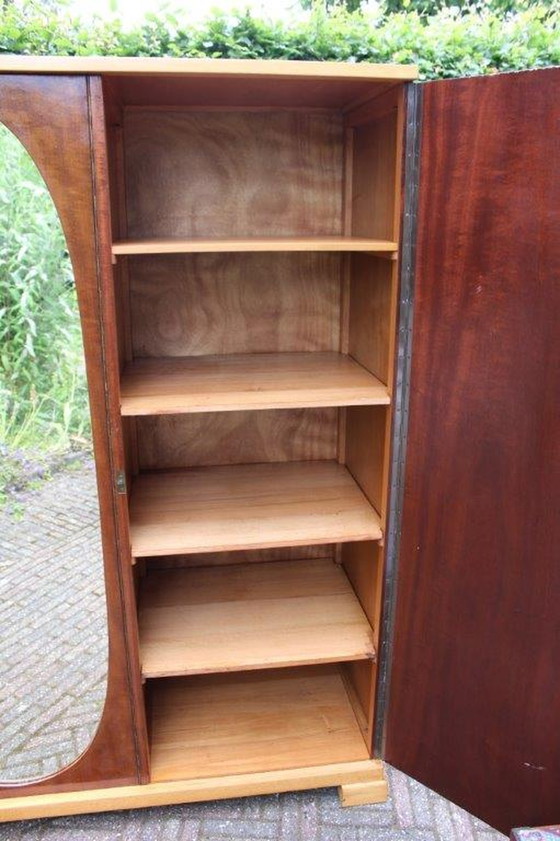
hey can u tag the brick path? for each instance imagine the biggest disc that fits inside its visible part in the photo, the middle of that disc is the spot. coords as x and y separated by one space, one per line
47 621
52 639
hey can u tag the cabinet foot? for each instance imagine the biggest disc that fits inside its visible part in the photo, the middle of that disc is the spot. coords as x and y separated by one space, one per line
362 794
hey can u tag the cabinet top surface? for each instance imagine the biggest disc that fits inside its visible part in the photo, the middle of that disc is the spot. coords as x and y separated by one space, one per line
207 67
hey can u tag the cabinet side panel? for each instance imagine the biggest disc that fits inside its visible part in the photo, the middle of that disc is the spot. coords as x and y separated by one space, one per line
475 695
373 190
366 436
370 314
53 118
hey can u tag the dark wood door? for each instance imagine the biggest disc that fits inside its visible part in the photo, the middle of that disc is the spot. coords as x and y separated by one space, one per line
474 700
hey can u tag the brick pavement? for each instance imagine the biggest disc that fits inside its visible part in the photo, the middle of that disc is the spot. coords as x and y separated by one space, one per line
52 615
53 641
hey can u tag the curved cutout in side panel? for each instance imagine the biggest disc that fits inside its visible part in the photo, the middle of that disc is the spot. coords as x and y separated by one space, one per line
60 122
53 616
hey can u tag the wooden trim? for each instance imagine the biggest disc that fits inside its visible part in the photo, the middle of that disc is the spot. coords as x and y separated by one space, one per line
364 772
204 67
111 366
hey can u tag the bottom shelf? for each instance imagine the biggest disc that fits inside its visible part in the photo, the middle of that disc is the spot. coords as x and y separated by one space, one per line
253 722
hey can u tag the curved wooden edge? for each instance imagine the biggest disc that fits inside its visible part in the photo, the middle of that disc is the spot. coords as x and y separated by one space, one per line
52 119
357 780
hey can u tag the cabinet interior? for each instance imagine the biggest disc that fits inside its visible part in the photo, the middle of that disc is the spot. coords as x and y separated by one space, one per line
255 231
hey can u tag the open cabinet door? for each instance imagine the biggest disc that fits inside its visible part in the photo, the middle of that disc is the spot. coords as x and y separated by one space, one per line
474 691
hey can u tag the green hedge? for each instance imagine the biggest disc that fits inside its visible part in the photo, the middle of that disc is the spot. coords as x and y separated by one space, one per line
449 43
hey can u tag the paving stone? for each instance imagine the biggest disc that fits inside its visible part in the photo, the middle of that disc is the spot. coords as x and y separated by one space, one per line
412 834
223 829
51 571
52 557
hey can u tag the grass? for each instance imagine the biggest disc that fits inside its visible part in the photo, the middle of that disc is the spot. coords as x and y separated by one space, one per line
44 410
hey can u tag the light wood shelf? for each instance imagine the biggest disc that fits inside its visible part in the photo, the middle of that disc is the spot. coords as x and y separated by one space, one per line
251 616
247 381
219 725
238 244
215 509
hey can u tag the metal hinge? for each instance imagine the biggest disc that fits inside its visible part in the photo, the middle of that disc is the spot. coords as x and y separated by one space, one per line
120 482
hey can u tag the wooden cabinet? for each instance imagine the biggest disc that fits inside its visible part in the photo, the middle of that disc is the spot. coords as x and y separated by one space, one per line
255 289
248 320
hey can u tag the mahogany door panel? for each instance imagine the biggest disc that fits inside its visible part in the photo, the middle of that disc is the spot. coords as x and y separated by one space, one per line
474 701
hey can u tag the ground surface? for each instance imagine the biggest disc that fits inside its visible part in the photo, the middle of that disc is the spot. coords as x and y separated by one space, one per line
53 666
52 625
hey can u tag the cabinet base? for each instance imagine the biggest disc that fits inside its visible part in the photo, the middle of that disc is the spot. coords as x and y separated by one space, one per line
363 794
359 783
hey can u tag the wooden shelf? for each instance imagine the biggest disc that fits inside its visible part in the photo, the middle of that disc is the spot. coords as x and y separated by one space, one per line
214 509
247 381
198 246
254 722
250 616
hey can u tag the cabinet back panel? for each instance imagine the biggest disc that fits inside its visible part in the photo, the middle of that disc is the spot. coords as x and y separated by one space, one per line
175 441
245 556
190 305
233 173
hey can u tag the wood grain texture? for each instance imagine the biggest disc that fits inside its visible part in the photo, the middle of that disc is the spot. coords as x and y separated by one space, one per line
208 174
137 91
200 245
262 721
252 381
373 107
241 556
477 644
371 317
362 771
176 441
121 280
205 67
54 120
363 794
364 565
366 446
375 184
248 506
245 303
108 370
250 616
